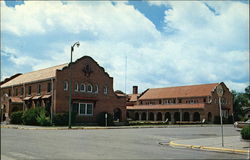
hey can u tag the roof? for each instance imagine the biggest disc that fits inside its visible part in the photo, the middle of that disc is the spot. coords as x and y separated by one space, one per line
34 76
120 95
16 100
133 97
181 91
170 106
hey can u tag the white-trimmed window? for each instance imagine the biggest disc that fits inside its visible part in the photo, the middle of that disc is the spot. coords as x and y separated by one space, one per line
82 87
95 88
65 85
76 87
105 91
86 109
89 88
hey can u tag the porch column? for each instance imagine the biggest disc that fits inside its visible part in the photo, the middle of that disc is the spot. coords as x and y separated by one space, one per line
147 116
139 116
155 116
163 116
180 115
172 117
191 116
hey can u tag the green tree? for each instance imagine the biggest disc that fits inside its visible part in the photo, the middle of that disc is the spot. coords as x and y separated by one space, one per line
240 100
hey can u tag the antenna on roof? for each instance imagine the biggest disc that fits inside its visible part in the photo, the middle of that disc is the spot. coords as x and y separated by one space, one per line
125 74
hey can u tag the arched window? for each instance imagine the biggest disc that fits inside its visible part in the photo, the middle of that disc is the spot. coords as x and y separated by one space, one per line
82 87
65 85
196 116
105 90
159 116
89 88
209 117
76 87
143 116
136 116
95 88
176 116
186 116
151 116
168 116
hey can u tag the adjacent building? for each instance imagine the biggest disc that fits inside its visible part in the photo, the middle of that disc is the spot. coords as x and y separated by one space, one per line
92 91
183 103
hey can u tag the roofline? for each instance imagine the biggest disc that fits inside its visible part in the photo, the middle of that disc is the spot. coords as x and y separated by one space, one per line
186 85
174 97
41 80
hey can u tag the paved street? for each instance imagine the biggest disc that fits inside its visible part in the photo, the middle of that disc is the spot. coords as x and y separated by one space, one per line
109 143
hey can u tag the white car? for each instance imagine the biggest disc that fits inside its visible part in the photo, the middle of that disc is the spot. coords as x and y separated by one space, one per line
241 124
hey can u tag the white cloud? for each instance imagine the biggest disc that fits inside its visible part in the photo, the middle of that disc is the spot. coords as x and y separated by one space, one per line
205 48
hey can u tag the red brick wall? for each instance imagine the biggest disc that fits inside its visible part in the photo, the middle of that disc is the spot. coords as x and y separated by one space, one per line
102 102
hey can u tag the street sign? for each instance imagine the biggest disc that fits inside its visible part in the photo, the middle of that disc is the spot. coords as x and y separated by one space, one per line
219 90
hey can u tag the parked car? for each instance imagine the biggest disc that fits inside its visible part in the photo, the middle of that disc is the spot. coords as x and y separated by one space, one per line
241 124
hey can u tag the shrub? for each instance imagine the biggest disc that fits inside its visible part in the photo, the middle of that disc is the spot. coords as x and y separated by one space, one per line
16 117
245 132
62 119
101 119
42 120
216 119
30 116
228 120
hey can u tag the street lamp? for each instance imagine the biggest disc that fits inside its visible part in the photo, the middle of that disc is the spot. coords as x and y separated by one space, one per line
70 82
219 91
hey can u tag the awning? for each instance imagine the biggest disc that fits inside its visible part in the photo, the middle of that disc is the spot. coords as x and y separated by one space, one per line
27 98
16 100
46 96
36 97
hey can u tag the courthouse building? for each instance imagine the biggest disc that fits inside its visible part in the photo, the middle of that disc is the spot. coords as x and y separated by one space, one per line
184 103
92 91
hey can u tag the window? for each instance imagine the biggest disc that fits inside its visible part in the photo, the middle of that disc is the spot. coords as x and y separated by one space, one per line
76 87
22 91
95 88
49 87
89 109
9 93
82 87
204 99
105 90
29 90
223 100
85 109
89 88
65 85
16 91
179 100
39 89
81 108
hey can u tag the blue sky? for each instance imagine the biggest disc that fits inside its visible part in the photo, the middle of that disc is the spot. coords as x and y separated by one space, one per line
166 43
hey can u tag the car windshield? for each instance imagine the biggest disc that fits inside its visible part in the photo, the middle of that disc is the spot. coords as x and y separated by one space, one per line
247 121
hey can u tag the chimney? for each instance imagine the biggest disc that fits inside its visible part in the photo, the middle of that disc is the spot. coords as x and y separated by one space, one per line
135 89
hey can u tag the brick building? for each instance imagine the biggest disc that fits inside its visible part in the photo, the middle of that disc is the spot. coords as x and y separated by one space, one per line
185 103
92 91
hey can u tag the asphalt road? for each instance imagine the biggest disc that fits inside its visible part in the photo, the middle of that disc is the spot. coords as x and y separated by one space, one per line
108 143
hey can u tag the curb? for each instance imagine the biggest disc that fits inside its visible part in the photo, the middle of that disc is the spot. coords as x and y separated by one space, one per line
90 128
53 128
238 151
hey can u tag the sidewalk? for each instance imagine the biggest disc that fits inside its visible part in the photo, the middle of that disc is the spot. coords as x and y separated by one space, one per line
232 144
27 127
